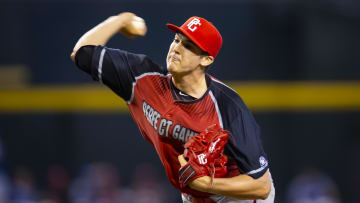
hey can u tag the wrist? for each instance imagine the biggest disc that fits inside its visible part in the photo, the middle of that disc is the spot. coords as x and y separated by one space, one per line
202 184
208 184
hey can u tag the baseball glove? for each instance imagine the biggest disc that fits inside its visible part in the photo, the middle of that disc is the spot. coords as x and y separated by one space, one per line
204 153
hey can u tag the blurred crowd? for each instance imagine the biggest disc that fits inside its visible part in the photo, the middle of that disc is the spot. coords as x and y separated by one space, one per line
100 183
313 186
97 183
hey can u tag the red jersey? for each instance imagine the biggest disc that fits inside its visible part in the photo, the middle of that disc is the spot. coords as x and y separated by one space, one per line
167 119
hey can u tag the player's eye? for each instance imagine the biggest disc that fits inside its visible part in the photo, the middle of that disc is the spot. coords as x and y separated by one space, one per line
191 47
188 46
176 40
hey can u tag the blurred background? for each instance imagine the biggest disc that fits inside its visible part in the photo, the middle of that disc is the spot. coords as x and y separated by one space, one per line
64 138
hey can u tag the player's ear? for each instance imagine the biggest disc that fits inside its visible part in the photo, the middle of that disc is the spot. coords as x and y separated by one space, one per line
206 60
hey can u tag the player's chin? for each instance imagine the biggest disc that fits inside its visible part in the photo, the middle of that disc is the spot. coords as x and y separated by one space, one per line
171 67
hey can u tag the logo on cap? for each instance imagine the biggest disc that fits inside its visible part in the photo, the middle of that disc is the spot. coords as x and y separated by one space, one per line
192 26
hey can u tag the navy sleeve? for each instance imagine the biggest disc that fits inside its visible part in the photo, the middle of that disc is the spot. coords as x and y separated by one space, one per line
83 58
244 145
118 69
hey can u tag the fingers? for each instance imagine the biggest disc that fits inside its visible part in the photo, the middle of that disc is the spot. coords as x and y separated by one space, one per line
138 26
182 160
133 25
126 33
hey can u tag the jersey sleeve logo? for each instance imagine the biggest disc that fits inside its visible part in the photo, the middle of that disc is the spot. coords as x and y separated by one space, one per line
193 25
262 161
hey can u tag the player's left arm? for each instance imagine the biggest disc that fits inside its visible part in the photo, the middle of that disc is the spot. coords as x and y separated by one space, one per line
245 148
238 187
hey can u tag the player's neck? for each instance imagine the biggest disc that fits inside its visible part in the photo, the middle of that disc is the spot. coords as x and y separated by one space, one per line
193 85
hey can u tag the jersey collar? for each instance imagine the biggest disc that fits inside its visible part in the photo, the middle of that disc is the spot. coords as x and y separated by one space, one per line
181 97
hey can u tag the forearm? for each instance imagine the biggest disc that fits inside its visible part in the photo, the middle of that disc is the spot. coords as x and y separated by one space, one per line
101 34
238 187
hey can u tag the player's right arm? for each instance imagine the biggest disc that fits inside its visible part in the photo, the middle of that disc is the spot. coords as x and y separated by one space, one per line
115 68
100 34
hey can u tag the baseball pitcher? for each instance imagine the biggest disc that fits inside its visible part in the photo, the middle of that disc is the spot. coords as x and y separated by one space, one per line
205 136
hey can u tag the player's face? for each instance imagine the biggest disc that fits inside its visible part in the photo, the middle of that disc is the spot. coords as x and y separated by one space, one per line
184 56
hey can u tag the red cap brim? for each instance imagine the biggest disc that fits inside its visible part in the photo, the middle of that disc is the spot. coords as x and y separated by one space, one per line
177 29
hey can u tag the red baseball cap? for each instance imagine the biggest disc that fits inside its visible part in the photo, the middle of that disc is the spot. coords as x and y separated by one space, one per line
202 32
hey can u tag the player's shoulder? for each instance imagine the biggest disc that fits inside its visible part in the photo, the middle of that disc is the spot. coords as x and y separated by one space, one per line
225 95
230 106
